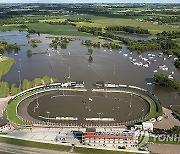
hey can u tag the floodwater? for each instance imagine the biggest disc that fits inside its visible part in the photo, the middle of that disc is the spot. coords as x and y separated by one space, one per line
72 64
134 36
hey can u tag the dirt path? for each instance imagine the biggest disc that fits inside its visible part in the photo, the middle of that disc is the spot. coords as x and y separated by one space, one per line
3 58
3 102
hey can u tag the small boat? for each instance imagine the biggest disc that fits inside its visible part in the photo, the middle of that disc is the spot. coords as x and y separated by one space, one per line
149 83
169 56
146 65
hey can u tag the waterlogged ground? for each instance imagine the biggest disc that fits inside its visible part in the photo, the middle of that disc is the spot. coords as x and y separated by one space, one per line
72 64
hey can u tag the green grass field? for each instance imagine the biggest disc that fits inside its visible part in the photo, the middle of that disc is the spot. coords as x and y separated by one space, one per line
152 27
11 110
4 89
98 21
5 66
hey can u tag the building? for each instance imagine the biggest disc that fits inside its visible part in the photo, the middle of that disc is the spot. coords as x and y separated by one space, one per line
76 84
125 139
147 126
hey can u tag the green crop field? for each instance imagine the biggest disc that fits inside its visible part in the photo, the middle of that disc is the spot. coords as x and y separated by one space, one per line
56 29
5 66
152 27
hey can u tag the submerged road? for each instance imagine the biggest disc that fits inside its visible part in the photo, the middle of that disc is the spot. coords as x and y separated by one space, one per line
13 149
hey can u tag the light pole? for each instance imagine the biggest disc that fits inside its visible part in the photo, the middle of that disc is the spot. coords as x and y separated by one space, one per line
106 92
20 64
114 69
69 73
143 113
19 77
99 114
48 115
130 101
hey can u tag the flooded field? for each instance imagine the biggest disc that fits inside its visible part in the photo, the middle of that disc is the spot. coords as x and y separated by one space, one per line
72 64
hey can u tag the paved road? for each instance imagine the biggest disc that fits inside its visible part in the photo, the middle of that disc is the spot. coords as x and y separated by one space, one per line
164 148
167 123
3 102
13 149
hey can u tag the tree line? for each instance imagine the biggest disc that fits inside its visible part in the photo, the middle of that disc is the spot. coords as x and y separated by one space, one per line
163 80
128 29
161 43
4 46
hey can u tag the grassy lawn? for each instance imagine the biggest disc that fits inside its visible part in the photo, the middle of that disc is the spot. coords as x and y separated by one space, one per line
10 27
156 109
34 144
152 27
98 21
4 89
56 147
5 66
11 110
56 29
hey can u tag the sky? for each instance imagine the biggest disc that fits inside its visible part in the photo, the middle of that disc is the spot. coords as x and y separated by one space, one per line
91 1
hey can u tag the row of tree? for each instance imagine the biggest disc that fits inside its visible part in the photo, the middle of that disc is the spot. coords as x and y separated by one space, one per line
163 80
128 29
34 42
4 46
6 89
91 43
62 42
161 43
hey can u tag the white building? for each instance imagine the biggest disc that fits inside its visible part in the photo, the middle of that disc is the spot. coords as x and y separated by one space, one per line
147 126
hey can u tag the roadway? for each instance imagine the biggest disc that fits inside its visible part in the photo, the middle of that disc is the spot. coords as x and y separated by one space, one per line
13 149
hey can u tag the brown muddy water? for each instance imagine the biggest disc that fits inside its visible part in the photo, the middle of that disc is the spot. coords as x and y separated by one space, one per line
72 64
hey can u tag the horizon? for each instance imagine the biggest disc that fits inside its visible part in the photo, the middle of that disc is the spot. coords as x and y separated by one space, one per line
94 1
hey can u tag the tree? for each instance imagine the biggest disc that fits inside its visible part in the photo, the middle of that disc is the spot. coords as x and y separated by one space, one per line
177 63
90 59
29 53
90 51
